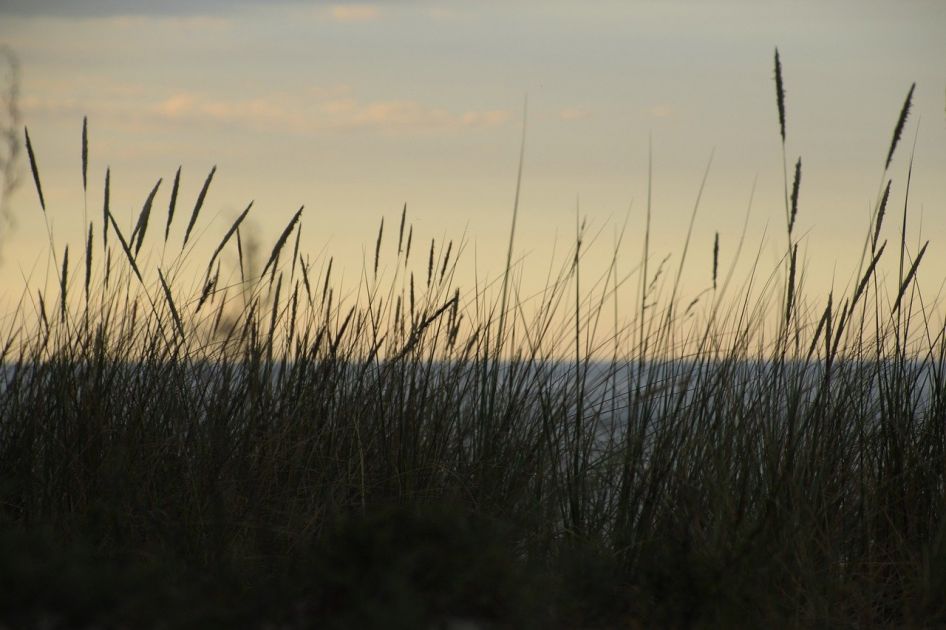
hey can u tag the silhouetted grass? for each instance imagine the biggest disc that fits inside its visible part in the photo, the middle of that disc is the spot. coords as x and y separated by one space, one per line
255 451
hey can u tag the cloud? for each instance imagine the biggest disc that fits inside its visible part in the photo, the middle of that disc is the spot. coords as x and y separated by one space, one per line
179 104
441 12
106 8
306 109
661 110
179 22
338 111
324 92
258 111
574 113
355 12
485 119
404 115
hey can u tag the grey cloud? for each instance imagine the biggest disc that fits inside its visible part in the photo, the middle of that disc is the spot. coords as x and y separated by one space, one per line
158 8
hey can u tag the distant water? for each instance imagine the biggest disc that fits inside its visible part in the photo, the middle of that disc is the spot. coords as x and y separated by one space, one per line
607 387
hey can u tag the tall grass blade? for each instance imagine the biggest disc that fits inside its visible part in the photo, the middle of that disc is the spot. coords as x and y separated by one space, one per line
715 258
174 315
126 248
821 324
295 251
686 242
901 121
292 310
407 248
790 302
274 256
88 262
63 284
34 169
105 210
906 207
446 260
275 312
198 205
504 297
305 278
240 256
847 308
85 152
645 254
377 247
909 278
42 311
108 266
173 203
209 288
430 263
796 183
142 225
328 275
341 332
226 237
780 95
879 221
400 232
867 274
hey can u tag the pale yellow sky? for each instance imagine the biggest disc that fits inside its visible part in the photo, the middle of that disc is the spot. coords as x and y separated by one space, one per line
355 109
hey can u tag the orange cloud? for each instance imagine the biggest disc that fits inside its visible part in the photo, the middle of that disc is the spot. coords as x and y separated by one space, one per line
339 111
309 109
485 119
355 12
574 113
661 111
177 105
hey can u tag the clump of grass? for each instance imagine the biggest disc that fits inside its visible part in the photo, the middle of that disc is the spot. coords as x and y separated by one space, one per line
409 453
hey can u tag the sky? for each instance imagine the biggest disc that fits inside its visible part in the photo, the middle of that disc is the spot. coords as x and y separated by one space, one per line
354 110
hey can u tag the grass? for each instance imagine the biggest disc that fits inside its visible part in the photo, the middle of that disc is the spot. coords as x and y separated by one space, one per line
261 450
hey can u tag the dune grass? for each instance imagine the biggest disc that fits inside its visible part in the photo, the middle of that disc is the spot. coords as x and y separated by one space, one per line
257 448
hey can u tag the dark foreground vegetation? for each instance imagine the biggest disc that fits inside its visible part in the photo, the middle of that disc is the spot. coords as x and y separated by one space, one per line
254 449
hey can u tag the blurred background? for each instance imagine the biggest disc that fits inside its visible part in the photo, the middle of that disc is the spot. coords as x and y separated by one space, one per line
356 109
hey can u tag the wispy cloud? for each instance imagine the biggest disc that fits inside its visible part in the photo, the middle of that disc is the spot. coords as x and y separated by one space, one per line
338 112
355 12
309 110
441 12
259 111
177 105
104 8
183 22
306 109
661 110
574 113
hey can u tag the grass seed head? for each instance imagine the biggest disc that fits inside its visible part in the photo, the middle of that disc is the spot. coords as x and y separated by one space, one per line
780 95
901 122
